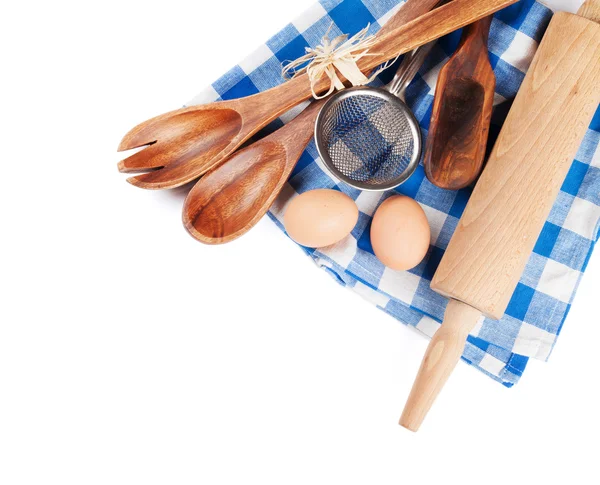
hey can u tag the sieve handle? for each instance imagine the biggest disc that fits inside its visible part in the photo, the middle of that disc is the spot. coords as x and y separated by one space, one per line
409 67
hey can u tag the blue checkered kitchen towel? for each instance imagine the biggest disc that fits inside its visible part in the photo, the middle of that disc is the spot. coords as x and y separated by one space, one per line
543 297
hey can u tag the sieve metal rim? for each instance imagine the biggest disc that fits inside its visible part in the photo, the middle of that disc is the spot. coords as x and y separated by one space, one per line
386 96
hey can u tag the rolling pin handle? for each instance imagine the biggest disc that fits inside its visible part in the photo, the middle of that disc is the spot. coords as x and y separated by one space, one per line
441 358
590 10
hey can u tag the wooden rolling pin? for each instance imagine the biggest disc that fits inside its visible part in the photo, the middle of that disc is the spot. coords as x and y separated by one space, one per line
513 198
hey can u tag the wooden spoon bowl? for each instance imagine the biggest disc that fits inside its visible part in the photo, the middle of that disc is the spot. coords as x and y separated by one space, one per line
229 200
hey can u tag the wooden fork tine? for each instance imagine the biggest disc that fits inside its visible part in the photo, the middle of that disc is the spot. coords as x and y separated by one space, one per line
141 161
150 130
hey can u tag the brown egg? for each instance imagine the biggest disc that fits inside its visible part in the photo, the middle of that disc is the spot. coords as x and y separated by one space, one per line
320 218
400 233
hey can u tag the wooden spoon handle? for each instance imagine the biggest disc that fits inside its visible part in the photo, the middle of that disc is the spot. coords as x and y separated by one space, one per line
410 10
296 90
428 27
441 358
480 29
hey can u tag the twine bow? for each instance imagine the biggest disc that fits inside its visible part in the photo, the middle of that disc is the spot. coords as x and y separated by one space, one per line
331 57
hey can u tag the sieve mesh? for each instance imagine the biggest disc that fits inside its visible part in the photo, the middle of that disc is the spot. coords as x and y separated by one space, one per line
368 138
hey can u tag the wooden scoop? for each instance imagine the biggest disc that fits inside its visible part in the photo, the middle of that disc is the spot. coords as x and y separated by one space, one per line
513 198
462 110
186 143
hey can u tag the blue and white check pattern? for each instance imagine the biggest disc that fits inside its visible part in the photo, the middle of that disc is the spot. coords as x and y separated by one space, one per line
545 293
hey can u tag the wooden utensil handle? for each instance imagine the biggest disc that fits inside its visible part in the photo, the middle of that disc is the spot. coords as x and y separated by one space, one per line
481 28
409 11
431 26
428 27
441 358
590 10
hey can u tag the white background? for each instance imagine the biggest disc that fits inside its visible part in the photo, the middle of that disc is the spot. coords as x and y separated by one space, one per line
131 354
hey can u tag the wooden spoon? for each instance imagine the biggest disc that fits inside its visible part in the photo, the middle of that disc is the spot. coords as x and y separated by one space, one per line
462 110
186 143
230 199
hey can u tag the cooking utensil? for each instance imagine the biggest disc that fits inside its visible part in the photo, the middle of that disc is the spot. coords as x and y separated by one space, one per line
186 143
462 110
515 194
229 200
368 137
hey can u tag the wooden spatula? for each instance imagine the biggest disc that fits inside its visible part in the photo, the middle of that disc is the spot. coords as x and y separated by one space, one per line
462 110
184 144
513 198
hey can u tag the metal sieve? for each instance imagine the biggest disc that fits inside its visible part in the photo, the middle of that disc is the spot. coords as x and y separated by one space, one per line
368 137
